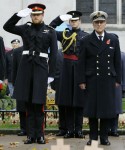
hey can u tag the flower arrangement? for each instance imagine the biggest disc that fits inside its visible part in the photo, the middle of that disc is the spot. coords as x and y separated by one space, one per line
6 102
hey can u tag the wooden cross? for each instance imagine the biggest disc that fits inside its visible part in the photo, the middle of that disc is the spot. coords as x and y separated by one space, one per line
94 146
60 145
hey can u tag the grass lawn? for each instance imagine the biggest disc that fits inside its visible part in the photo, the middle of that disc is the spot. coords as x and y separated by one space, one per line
7 124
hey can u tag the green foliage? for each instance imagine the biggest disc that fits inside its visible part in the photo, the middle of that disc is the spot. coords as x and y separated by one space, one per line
6 102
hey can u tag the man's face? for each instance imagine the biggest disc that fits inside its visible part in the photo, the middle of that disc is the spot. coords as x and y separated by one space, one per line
15 45
37 18
99 26
75 23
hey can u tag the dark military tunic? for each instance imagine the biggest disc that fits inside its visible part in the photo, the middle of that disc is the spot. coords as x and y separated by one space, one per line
2 59
100 68
31 81
70 93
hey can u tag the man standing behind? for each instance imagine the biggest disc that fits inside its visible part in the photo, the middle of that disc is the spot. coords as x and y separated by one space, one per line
99 74
34 69
9 60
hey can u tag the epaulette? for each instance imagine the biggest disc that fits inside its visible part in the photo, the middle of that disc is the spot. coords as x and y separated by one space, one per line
50 27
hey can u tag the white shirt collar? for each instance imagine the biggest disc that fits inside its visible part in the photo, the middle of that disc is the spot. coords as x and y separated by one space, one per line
99 35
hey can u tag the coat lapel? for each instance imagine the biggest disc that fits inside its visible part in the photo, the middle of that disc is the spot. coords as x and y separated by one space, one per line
94 40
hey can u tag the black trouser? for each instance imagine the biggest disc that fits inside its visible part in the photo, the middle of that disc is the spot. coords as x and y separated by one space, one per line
104 125
35 120
62 118
113 125
22 117
74 119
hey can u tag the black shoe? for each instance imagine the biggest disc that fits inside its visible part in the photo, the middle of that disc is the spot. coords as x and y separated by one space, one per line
61 133
114 134
41 140
22 133
89 142
29 140
105 142
79 134
69 134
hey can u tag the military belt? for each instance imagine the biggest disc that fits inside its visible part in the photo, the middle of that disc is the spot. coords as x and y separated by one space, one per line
72 57
33 53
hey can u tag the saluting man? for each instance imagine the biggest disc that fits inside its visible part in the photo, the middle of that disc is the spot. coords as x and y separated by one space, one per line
99 74
32 76
69 100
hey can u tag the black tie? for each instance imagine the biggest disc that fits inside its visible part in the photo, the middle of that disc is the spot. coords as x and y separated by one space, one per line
100 38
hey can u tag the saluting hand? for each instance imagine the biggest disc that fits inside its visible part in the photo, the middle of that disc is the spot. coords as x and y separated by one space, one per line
82 86
24 13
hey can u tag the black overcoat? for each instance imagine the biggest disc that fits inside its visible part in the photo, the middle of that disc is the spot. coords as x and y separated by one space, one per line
17 54
69 93
33 72
2 59
100 68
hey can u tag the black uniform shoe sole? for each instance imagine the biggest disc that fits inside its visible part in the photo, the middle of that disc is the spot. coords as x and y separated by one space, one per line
107 143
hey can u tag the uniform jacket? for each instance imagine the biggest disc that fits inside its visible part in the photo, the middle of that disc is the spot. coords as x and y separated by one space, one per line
9 61
31 81
17 55
2 59
100 68
70 94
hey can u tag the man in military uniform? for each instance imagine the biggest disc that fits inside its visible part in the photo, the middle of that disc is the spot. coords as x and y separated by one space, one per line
31 80
70 93
99 74
2 59
9 60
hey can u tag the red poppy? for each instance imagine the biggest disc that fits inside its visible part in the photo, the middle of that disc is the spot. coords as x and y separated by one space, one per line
1 86
108 41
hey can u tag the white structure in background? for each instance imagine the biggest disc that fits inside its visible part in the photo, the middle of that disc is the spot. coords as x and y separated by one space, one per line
59 7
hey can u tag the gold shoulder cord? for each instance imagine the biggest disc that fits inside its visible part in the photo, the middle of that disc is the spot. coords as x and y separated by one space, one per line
72 39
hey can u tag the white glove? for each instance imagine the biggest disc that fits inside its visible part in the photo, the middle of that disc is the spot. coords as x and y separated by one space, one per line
65 17
50 79
24 13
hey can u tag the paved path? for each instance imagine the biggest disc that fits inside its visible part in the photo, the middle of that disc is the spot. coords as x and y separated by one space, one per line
117 143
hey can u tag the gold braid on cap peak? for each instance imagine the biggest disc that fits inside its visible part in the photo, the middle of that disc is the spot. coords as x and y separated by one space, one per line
72 39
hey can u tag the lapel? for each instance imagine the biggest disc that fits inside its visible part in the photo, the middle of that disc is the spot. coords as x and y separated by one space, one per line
94 40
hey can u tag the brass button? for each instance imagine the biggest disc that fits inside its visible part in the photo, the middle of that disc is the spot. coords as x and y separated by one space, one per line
108 55
97 74
97 62
108 62
108 67
97 68
109 74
